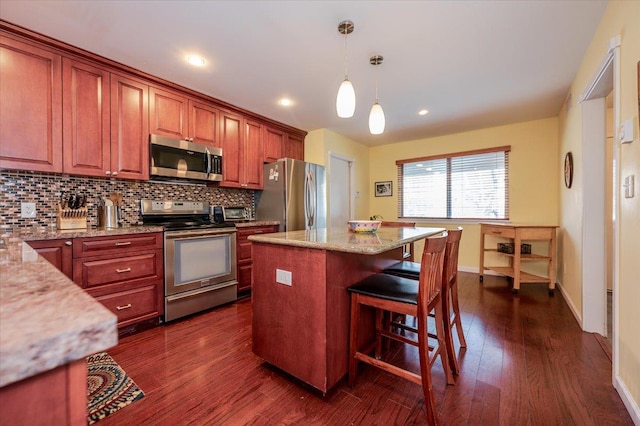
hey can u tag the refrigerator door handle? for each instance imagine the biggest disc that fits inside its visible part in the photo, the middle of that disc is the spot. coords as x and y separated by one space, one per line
312 200
308 202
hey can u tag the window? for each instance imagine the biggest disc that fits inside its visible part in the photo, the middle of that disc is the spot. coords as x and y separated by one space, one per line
464 185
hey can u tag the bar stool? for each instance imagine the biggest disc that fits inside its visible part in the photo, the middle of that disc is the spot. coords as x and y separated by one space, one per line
449 292
417 298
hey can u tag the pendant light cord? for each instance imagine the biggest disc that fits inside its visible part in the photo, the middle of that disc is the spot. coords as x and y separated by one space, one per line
346 74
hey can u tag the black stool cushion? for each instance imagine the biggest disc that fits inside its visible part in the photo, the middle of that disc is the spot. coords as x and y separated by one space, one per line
390 287
404 269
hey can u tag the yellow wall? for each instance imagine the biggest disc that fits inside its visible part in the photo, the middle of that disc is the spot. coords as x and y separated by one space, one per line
621 18
533 175
317 147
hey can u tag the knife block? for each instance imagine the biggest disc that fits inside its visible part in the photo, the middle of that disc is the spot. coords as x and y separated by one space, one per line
72 218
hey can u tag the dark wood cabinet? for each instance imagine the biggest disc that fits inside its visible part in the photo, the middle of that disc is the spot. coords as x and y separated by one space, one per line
56 252
294 148
274 141
245 256
241 151
125 273
175 115
129 146
30 107
85 110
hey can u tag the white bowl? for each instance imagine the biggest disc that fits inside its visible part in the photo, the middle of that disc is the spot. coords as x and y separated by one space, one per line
364 226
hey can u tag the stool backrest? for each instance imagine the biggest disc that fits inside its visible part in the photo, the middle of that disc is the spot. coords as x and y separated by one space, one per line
430 272
451 256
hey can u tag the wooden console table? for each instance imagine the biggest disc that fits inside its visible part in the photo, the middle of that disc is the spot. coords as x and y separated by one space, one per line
518 234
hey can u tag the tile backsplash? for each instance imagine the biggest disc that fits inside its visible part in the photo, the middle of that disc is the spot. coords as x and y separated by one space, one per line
46 189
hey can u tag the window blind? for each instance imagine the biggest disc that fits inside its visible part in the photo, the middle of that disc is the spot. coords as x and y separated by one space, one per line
464 185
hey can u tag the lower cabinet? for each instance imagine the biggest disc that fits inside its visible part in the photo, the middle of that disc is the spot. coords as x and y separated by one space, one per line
245 256
125 272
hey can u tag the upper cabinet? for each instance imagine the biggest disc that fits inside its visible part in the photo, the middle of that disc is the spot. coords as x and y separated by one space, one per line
64 110
30 107
175 115
241 151
129 128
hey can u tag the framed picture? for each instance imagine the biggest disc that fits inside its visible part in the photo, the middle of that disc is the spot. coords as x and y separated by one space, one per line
383 189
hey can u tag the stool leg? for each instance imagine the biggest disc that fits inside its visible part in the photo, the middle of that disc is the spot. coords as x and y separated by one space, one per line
353 339
379 320
442 346
448 335
456 312
425 372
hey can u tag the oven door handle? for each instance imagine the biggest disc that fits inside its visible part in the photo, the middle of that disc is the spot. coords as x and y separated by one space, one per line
174 235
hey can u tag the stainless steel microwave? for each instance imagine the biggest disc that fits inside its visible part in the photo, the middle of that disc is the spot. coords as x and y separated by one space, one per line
178 159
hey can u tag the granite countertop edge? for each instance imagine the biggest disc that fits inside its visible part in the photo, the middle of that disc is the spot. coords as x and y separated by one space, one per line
46 320
56 234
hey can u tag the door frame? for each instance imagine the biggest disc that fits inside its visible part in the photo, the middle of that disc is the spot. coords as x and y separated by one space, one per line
594 292
334 155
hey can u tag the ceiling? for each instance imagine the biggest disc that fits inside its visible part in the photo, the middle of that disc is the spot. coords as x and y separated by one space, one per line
472 64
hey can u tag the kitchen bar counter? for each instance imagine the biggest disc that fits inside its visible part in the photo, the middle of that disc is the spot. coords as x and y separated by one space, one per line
342 240
46 320
300 301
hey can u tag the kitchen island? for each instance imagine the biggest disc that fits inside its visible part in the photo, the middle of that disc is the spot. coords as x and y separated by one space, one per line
301 306
48 326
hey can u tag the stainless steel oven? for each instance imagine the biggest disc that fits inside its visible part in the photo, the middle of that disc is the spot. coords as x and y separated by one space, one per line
199 257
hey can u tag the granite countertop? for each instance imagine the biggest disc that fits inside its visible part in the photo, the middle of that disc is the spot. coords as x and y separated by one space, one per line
29 234
339 239
45 319
256 223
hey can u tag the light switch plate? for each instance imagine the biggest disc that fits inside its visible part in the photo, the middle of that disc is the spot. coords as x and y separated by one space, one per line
629 186
626 131
283 277
27 210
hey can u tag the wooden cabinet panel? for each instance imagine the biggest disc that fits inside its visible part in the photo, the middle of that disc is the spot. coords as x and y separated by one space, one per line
86 106
294 148
30 107
168 113
129 128
133 305
274 141
245 254
252 162
96 272
203 123
92 246
56 252
232 139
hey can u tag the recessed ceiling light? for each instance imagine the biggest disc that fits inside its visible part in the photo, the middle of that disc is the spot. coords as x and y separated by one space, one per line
196 60
423 112
285 102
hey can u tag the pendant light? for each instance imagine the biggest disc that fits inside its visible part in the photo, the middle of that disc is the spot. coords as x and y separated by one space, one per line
346 99
376 116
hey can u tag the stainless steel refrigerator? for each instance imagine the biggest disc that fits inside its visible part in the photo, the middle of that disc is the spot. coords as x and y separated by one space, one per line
294 194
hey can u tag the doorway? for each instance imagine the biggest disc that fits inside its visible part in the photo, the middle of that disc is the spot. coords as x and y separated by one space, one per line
340 190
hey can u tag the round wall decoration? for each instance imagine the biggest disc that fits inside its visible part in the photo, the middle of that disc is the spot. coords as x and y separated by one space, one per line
568 169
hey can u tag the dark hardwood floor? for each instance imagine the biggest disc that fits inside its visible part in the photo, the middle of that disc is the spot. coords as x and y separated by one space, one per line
527 363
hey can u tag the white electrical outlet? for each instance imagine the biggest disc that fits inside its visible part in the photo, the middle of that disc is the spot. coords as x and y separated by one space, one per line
27 210
283 277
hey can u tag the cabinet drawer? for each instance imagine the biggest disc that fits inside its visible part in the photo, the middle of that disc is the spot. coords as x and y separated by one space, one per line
499 231
92 273
83 247
132 304
244 250
243 233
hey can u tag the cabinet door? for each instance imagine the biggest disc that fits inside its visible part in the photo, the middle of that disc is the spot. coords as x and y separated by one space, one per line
203 123
274 141
56 252
294 148
168 113
30 107
85 109
252 161
129 128
232 139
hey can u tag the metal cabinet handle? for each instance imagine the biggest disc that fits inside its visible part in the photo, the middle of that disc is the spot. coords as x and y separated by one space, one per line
114 174
257 232
107 173
127 306
126 243
68 243
123 270
497 232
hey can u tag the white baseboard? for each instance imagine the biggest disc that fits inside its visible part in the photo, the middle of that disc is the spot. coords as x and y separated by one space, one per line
574 310
627 400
